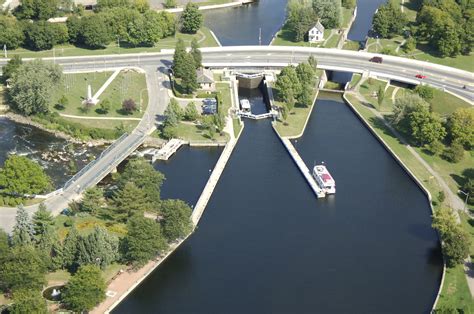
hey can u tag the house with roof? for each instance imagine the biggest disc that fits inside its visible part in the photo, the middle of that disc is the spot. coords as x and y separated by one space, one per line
205 79
316 33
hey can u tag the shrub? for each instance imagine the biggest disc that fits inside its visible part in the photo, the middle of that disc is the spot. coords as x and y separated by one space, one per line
435 147
425 92
128 106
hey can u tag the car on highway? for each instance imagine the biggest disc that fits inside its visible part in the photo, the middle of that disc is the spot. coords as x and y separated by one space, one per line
376 59
420 76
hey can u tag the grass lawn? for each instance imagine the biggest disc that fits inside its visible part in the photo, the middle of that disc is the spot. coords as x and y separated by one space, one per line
455 293
59 276
333 85
226 101
332 41
355 79
127 125
85 224
351 45
204 38
128 84
468 225
370 88
196 133
237 127
346 17
110 271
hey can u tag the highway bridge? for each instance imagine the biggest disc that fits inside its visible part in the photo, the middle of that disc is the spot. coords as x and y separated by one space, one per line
456 81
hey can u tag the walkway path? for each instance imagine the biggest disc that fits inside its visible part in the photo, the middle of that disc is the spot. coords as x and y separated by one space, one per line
98 118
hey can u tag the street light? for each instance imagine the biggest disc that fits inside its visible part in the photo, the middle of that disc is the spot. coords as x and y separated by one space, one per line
140 109
467 197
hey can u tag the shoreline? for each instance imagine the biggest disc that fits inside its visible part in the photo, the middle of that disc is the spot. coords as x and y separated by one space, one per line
231 4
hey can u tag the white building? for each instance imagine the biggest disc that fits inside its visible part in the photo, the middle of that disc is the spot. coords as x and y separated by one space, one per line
316 33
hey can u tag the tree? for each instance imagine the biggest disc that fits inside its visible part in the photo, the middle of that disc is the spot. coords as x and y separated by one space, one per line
191 19
4 244
141 173
32 86
23 231
196 53
20 176
189 81
44 35
306 96
93 200
329 12
129 106
425 92
176 221
460 127
455 241
42 220
9 69
175 108
168 4
28 301
85 289
380 95
128 201
300 18
74 29
143 240
95 31
70 249
403 107
99 248
104 106
435 147
22 268
410 44
190 112
62 103
37 9
313 63
454 153
11 32
305 73
389 20
179 59
349 4
425 126
50 249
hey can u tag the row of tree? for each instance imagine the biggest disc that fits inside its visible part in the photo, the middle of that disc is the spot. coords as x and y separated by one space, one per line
447 26
413 116
295 85
302 15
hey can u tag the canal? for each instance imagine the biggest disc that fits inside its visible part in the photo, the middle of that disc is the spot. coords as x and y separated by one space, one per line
267 245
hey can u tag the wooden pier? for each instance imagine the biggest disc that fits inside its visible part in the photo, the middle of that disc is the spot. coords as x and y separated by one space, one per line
303 168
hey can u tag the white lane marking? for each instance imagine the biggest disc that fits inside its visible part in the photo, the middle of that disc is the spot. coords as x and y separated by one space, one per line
269 54
229 54
248 57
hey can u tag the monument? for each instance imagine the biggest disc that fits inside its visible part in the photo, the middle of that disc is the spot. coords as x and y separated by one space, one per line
90 100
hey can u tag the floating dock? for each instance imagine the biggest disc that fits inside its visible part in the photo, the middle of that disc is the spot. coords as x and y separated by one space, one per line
303 168
168 150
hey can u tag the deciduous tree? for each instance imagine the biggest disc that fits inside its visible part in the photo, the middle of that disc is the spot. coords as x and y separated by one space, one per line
196 53
176 221
28 301
461 127
329 12
11 32
191 19
85 289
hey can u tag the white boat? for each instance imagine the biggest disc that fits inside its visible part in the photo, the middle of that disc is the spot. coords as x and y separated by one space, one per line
245 105
324 179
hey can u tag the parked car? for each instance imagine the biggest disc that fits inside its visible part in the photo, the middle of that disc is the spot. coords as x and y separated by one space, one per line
376 59
420 76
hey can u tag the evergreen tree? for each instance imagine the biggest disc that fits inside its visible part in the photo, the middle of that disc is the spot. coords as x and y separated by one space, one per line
179 59
23 231
128 201
176 221
4 244
191 19
190 112
196 53
189 80
93 200
99 248
85 289
28 301
143 240
42 219
69 252
50 248
380 95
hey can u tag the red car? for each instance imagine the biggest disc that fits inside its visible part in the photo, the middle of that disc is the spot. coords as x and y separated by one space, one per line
420 76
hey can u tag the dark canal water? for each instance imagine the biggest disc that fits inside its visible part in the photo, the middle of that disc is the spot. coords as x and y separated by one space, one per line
52 153
363 22
267 245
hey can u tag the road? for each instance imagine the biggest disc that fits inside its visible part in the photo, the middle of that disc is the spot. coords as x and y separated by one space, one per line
392 67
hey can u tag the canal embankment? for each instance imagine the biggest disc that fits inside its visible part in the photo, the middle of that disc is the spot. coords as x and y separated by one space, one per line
399 160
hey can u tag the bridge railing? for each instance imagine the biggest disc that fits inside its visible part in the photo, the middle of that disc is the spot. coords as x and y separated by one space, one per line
89 165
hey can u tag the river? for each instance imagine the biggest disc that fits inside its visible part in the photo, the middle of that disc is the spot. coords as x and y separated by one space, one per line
267 245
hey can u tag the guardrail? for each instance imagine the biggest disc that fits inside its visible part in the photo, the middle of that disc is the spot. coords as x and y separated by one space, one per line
89 165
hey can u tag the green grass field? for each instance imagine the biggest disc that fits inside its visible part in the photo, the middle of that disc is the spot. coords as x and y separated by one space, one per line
128 84
356 77
204 38
455 293
196 133
226 102
237 127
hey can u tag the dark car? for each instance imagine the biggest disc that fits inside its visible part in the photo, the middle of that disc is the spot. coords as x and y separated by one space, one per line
376 59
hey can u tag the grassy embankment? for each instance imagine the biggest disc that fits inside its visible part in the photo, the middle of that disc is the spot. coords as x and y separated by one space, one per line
455 290
285 37
295 123
203 36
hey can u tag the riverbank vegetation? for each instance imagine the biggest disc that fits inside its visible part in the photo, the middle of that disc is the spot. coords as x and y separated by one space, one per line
294 92
426 30
302 15
125 222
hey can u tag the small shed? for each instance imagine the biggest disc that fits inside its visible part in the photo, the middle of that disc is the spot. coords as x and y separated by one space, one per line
205 79
316 33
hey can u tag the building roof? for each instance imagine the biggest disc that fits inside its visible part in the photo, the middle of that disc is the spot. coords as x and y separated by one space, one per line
204 76
318 26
